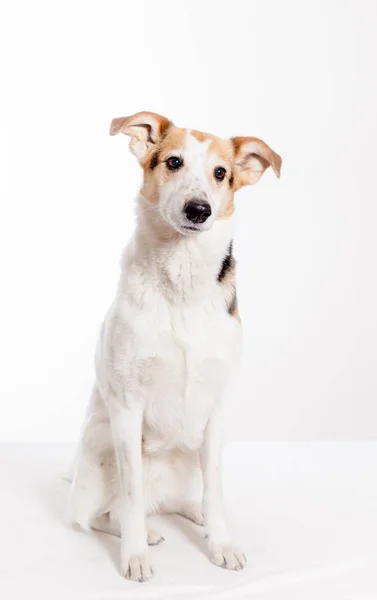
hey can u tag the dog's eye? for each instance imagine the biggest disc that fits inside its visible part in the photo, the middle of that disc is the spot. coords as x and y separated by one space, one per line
174 162
219 173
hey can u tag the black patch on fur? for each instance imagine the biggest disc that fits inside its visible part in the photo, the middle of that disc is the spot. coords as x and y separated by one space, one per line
227 264
231 180
233 305
154 161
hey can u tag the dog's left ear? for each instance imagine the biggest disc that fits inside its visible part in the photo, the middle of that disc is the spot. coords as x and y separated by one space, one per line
144 128
252 158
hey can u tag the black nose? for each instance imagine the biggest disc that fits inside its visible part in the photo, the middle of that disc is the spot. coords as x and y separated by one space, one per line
197 211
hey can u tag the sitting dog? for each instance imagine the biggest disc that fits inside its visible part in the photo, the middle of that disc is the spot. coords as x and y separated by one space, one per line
152 438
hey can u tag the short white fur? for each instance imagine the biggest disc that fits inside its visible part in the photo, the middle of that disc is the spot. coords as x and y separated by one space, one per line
152 437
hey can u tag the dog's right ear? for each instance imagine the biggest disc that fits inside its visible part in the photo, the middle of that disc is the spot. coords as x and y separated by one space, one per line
144 128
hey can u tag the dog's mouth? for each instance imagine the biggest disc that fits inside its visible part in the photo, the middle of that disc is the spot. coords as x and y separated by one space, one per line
191 228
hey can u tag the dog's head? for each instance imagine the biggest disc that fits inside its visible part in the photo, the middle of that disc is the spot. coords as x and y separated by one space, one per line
190 175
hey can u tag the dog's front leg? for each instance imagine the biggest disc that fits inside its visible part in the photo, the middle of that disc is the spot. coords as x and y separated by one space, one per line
221 549
126 425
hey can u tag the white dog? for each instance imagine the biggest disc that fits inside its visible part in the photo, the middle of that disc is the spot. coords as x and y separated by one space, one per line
152 438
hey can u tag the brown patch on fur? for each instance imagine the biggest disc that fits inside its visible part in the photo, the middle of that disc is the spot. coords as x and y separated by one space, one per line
227 209
164 124
171 141
154 161
223 148
201 136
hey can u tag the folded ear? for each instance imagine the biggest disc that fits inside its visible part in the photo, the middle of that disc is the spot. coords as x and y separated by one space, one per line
144 128
252 158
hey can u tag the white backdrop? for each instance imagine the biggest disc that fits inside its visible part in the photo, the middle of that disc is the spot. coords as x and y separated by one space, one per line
300 75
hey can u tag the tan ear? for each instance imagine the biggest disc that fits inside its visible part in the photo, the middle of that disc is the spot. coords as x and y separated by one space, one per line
144 128
252 158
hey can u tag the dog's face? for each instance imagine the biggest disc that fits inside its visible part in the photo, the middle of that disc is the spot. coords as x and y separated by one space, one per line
189 175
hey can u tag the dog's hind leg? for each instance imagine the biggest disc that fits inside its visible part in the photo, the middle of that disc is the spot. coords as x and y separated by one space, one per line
89 493
94 480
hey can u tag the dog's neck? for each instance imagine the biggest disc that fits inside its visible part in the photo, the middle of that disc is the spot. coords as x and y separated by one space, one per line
183 266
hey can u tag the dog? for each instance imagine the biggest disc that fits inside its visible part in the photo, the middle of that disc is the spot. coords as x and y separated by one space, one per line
168 346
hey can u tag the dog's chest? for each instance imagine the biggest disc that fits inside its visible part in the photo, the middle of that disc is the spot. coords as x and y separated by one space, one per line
187 357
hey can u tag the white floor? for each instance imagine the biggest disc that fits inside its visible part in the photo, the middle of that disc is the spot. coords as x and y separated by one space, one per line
304 513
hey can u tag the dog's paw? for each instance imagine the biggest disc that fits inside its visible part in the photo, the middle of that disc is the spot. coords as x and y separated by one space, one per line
153 537
137 568
227 556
